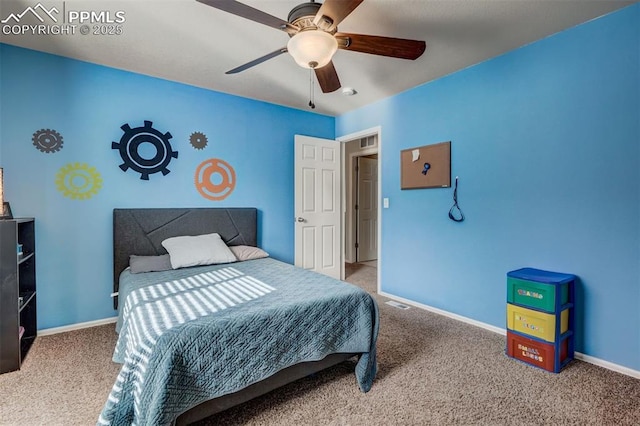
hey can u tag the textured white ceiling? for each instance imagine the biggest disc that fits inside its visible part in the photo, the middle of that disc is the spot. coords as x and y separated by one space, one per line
189 42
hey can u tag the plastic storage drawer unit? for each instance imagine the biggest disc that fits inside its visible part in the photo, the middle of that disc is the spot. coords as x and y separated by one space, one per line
540 317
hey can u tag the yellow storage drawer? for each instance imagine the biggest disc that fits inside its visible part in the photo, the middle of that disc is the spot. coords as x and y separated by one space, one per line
537 324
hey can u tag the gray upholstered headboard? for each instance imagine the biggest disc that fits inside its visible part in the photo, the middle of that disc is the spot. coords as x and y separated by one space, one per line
141 231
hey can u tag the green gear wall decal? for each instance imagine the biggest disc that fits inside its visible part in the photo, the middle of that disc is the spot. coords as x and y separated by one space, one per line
78 181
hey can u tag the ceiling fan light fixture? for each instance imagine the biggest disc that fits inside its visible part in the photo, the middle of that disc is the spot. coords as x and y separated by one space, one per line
312 48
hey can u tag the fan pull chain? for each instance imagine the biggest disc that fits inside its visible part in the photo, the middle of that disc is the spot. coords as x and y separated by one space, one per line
312 104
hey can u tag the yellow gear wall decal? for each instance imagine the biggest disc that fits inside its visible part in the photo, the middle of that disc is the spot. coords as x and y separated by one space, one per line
78 181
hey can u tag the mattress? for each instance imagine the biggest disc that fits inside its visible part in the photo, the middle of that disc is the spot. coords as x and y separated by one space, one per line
193 334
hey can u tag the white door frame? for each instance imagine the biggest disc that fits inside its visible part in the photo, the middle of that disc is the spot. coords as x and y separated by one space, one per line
343 139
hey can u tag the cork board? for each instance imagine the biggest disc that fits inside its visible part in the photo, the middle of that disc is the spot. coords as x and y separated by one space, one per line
427 166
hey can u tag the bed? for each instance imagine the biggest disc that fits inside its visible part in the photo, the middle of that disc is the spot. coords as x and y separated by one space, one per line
198 340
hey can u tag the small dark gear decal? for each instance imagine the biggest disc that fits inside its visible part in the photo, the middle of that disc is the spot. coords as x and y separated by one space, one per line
130 143
47 140
198 140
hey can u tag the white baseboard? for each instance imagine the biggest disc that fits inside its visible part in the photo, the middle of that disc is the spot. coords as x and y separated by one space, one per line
586 358
446 313
78 326
608 365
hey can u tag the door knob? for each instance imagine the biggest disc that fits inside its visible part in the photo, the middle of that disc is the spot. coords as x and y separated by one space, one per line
299 219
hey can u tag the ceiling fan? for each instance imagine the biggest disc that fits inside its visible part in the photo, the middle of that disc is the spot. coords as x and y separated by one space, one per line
313 28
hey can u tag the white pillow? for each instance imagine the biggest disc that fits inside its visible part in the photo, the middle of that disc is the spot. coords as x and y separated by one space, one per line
248 252
197 250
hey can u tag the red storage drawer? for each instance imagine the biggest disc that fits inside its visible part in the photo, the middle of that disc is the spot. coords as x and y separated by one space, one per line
537 353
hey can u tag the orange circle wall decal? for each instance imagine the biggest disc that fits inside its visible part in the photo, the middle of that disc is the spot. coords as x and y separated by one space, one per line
215 179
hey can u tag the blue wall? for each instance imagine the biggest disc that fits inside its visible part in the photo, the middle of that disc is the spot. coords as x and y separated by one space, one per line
87 104
546 141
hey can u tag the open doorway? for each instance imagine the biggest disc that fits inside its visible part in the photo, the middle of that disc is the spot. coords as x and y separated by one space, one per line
361 222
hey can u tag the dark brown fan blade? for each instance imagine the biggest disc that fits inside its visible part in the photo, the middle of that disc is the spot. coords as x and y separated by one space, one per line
384 46
328 78
257 61
336 11
248 12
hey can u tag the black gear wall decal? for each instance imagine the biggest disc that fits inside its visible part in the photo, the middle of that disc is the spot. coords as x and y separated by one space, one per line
130 143
47 140
198 140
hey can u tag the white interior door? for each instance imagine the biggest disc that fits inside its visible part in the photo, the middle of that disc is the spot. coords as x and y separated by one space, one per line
317 205
367 209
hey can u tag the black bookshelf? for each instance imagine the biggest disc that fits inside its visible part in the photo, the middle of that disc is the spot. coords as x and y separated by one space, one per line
18 310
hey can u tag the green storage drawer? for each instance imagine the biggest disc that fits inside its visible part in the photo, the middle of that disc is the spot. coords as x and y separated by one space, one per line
538 294
535 295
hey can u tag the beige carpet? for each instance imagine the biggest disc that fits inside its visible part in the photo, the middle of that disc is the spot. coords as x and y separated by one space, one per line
432 371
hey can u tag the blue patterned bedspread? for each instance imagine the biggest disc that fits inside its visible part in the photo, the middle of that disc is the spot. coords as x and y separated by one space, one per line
189 335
